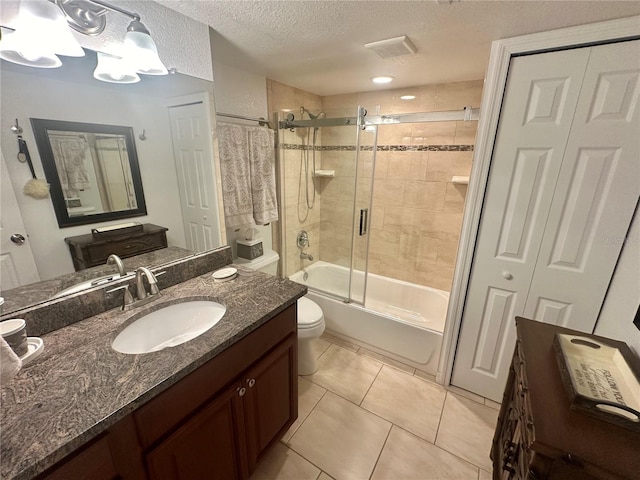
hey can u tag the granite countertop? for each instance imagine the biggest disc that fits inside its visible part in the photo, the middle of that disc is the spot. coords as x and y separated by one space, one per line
80 386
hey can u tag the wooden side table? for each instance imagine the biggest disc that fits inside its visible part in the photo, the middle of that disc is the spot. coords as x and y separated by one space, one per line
90 250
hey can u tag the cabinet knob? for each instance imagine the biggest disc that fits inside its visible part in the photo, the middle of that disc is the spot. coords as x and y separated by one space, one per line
251 382
507 275
241 391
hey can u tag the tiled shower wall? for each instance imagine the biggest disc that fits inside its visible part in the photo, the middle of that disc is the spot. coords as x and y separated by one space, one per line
283 98
417 211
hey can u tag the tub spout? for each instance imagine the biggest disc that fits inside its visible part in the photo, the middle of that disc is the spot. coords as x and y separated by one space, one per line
306 256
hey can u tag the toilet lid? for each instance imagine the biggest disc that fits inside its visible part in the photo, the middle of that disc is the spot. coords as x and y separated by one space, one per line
309 313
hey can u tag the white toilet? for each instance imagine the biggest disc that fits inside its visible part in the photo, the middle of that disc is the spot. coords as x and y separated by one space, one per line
310 317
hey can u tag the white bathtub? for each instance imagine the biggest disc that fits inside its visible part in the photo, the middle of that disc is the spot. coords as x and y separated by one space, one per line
400 319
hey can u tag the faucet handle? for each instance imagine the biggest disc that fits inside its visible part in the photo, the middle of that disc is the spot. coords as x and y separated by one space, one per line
127 299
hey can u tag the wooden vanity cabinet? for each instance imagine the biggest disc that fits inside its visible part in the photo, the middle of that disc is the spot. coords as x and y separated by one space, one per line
227 437
216 423
210 445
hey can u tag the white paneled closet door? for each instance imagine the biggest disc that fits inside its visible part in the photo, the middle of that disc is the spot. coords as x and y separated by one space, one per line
563 186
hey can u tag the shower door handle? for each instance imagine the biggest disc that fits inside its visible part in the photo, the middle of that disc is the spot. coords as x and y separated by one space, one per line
364 217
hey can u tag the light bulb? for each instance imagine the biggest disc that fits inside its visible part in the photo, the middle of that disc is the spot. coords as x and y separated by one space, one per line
114 70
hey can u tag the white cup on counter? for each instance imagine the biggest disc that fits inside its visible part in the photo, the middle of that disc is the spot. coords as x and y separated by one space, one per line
14 332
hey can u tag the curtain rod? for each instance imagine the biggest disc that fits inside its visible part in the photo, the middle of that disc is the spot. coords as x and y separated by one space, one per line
260 120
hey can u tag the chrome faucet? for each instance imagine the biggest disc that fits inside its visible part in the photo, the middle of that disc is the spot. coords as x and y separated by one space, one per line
141 291
113 258
306 256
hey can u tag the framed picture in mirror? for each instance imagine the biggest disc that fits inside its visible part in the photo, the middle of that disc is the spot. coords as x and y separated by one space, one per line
93 171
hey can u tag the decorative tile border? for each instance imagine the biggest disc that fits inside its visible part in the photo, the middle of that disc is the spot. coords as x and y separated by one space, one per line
381 148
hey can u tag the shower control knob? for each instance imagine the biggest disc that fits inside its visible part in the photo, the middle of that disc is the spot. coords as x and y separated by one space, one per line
17 238
507 275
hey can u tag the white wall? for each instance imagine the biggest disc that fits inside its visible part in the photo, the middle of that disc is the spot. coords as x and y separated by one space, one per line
241 93
622 299
27 95
183 43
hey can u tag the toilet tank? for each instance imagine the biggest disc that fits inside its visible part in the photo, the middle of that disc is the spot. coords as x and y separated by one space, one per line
267 262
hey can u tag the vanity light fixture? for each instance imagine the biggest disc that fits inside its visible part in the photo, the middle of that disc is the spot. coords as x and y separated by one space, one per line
41 34
382 79
114 69
408 97
89 18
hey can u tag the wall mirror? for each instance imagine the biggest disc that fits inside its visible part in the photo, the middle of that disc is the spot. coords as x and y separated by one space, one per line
71 94
92 169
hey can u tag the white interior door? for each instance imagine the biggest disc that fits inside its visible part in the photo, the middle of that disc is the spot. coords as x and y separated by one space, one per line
597 192
548 193
193 153
17 265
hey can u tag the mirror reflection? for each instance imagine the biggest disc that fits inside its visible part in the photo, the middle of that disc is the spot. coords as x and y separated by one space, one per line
169 178
93 171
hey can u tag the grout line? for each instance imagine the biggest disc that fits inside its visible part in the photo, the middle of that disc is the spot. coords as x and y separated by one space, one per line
444 404
368 389
441 448
381 450
305 458
306 417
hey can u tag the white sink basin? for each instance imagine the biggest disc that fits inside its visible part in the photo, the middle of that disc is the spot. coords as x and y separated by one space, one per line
169 326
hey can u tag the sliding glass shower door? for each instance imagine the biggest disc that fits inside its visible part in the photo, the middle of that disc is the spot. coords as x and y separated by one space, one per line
337 221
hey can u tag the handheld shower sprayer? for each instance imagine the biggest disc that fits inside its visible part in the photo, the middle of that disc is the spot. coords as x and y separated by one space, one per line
311 115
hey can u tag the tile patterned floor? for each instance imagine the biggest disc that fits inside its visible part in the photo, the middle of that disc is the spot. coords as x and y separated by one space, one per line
364 416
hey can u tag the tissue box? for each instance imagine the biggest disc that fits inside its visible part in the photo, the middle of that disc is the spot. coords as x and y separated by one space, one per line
249 249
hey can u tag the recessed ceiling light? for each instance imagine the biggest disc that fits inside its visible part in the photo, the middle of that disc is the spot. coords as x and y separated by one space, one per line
408 97
382 79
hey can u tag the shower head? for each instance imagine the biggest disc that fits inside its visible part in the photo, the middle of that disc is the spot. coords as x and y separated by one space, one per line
311 115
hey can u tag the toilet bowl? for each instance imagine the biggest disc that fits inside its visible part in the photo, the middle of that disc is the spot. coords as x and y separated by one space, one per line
310 317
310 326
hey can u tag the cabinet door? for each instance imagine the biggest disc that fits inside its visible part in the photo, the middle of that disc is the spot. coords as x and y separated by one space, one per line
210 445
271 402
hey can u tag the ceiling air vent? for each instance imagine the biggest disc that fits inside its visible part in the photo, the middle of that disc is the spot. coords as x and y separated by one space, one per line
393 47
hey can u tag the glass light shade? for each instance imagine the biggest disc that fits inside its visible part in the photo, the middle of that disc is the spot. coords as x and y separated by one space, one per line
15 48
114 70
41 34
142 54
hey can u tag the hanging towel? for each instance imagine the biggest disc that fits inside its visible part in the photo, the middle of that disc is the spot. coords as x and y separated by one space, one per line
10 363
263 175
233 143
70 156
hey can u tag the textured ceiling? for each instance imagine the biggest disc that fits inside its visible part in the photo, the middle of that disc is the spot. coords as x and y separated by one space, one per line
319 45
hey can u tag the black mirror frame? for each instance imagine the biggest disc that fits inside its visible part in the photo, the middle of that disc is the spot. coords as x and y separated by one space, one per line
41 128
